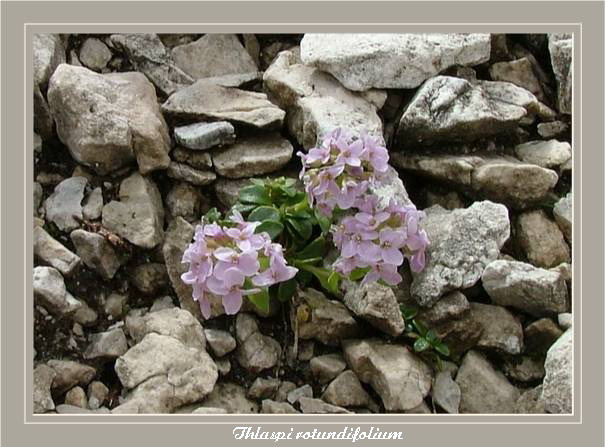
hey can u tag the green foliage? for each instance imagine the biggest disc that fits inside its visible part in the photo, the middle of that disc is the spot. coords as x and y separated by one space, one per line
426 340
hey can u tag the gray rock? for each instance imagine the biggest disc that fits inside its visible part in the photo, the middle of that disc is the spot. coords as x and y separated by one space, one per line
223 365
48 53
547 154
43 378
552 129
72 409
253 156
284 389
309 405
362 61
540 335
188 174
139 215
38 193
453 319
148 55
446 392
76 397
541 240
376 304
115 305
326 367
65 203
346 391
565 320
560 46
209 410
107 345
482 388
227 190
221 342
54 253
454 110
263 388
176 323
201 160
94 54
97 394
108 120
388 187
96 252
530 402
519 72
185 200
93 204
164 302
213 55
557 391
563 215
297 393
536 291
449 200
245 325
400 378
271 407
149 278
51 293
200 136
85 315
462 243
319 318
316 102
501 331
258 352
207 101
238 80
163 374
69 374
232 398
446 168
524 368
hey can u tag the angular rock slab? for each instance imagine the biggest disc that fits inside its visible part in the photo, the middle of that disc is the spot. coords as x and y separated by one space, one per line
51 293
148 55
376 304
316 102
200 136
204 100
48 54
253 156
96 252
541 240
139 215
563 215
537 291
454 110
53 252
213 55
66 202
482 388
164 374
560 46
547 154
108 120
557 390
400 378
364 61
462 243
501 331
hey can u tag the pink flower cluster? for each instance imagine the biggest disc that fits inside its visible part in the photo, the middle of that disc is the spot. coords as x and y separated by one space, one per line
227 262
379 238
340 170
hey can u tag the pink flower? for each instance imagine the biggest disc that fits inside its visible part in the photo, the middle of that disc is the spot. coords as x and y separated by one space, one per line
277 272
387 272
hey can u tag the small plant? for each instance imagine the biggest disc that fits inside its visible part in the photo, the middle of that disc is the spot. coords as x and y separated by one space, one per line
425 340
279 234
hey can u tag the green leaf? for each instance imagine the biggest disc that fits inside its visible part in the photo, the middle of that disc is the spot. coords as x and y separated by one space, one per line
212 215
302 227
315 249
442 349
243 208
258 181
421 344
408 312
254 194
261 300
358 273
421 328
431 336
328 279
323 221
286 290
272 227
263 213
303 277
333 282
